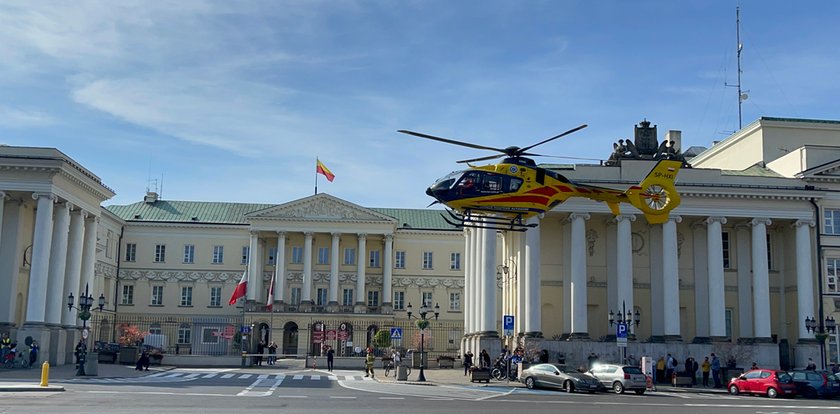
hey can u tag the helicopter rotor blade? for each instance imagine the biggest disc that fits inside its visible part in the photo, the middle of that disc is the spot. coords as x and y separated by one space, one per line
450 141
572 158
522 151
489 157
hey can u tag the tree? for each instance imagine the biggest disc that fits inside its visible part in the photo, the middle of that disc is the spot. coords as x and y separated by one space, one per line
382 339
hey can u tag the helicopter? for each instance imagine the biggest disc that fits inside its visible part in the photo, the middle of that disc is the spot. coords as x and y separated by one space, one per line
503 196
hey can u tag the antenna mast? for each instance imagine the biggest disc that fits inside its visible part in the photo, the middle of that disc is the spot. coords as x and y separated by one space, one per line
742 95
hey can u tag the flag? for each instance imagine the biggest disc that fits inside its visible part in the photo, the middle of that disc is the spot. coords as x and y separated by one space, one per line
269 304
240 289
320 168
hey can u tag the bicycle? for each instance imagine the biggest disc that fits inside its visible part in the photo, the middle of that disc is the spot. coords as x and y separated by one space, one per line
390 365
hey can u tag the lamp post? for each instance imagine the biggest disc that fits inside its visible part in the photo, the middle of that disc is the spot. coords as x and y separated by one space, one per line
422 323
85 303
627 319
821 329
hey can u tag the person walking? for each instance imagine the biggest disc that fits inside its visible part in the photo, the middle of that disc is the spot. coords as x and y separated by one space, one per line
330 358
468 357
670 367
33 353
260 350
716 370
811 365
272 353
660 369
706 367
484 359
369 360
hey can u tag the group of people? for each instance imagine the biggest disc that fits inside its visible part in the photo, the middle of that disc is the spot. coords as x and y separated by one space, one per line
272 353
9 351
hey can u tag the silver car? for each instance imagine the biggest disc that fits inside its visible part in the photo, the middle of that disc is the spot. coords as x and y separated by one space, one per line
558 376
620 377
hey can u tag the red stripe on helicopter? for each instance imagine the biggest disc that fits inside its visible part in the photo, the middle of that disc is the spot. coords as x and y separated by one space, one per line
517 199
546 191
564 189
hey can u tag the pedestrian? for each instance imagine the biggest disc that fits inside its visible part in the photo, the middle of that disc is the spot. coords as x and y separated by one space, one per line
33 353
593 359
143 361
716 370
544 356
631 360
81 350
369 360
754 365
670 367
260 350
694 368
660 369
732 363
811 365
485 358
5 345
468 357
330 358
705 367
561 358
272 353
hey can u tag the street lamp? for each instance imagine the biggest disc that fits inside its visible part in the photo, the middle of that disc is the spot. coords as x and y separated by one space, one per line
821 329
85 303
422 323
627 318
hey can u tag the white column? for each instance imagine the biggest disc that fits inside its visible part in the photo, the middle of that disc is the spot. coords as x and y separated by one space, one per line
476 273
360 270
388 270
58 262
334 250
2 210
36 306
280 268
761 278
744 264
306 295
11 249
567 278
488 283
73 270
804 275
701 282
468 297
89 254
717 303
253 267
521 308
624 261
671 279
578 286
533 313
480 270
657 289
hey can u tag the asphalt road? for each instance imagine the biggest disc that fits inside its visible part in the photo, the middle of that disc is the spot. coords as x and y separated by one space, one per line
288 391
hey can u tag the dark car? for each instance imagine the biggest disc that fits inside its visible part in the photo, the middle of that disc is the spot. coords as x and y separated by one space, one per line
558 376
813 384
767 382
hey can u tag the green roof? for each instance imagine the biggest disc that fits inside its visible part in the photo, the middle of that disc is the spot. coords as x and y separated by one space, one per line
173 211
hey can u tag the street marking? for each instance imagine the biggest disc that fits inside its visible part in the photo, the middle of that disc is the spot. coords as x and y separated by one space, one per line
210 375
391 398
245 376
315 377
292 396
337 397
192 375
226 376
297 377
332 378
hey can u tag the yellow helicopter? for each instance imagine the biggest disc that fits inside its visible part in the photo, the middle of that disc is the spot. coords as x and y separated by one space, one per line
503 196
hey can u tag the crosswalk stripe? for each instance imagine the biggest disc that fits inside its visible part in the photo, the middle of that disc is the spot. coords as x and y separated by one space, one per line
262 377
332 378
245 376
297 377
226 376
174 374
192 375
211 375
315 377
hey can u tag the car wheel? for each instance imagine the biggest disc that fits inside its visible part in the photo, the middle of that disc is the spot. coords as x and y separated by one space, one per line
618 388
569 386
733 389
772 393
530 383
640 392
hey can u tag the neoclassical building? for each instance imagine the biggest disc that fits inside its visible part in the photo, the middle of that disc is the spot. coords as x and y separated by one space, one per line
752 251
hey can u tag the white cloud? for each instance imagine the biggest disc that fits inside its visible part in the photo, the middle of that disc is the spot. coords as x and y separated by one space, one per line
23 118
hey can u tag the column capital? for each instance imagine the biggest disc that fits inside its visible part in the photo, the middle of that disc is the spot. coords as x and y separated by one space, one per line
80 212
281 234
308 234
805 222
761 220
51 196
576 215
389 237
624 217
254 232
361 236
677 219
70 206
715 219
335 234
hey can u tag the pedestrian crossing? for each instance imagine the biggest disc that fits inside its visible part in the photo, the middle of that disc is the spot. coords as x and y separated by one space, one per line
186 376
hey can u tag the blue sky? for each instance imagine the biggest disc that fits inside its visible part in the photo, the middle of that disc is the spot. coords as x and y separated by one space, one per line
232 101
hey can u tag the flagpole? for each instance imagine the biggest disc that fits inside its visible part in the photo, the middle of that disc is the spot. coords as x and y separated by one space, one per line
316 175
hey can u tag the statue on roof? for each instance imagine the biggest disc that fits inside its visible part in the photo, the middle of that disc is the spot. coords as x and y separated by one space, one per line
645 146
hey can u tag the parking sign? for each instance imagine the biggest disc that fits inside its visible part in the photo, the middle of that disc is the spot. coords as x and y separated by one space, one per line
507 322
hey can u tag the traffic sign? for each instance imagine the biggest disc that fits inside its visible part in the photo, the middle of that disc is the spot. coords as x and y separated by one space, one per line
508 325
343 335
396 333
621 335
331 334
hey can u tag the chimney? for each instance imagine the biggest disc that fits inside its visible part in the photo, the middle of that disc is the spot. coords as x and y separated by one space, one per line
151 197
675 137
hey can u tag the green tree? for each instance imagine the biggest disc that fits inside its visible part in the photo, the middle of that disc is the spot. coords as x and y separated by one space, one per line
382 339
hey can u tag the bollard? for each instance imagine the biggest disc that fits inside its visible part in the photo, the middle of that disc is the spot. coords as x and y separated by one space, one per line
45 374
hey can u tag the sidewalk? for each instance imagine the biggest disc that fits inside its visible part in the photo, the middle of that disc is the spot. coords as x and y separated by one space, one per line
20 380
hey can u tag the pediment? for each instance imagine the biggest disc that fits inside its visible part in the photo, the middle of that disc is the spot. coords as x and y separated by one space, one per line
829 170
320 207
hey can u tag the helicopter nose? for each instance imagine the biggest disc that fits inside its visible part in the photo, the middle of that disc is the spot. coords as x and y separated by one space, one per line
429 192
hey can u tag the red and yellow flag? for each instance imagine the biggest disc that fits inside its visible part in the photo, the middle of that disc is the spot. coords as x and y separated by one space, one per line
320 168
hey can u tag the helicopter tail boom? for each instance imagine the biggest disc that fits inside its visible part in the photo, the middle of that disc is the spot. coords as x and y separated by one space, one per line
657 195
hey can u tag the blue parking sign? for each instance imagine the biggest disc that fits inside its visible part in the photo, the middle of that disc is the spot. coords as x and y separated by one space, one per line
507 325
621 330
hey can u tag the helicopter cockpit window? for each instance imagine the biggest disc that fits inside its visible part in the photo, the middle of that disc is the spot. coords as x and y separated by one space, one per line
446 182
492 184
513 183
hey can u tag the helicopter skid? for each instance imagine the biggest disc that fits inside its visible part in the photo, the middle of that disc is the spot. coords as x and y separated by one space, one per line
510 222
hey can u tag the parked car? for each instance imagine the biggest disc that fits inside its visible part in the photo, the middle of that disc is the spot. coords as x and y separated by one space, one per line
558 376
813 384
767 382
620 378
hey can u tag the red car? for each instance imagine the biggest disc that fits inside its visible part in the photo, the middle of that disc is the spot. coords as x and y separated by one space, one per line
767 382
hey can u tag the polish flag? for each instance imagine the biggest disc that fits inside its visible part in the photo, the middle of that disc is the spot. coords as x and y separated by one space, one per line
269 304
240 289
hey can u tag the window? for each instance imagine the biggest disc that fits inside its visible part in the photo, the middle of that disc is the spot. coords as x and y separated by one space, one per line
272 255
374 258
832 221
399 300
218 254
127 295
373 298
323 255
455 261
184 334
216 296
347 297
321 297
454 301
131 252
186 295
155 329
157 295
832 271
399 259
724 236
427 299
189 253
349 256
728 318
295 296
427 260
246 251
297 254
160 253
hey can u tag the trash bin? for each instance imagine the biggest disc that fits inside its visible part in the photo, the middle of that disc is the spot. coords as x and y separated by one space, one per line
92 363
402 373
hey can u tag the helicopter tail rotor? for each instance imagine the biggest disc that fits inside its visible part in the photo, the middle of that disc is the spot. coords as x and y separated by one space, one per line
657 195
